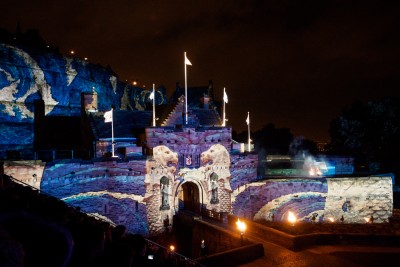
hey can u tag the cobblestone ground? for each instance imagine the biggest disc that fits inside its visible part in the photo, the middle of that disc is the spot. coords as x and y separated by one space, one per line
286 258
351 256
307 228
346 255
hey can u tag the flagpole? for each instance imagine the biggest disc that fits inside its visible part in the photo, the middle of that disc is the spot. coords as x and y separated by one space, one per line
186 108
223 120
154 107
248 129
112 131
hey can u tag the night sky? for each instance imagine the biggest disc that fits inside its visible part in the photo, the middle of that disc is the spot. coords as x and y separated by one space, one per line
293 63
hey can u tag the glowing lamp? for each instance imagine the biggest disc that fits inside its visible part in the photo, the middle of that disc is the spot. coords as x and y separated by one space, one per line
292 218
366 220
331 220
242 228
172 247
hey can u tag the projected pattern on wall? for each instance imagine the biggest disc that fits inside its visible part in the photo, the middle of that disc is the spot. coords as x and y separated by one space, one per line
26 76
354 198
130 192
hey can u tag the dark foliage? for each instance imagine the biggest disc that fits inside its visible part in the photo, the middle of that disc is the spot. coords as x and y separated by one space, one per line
371 133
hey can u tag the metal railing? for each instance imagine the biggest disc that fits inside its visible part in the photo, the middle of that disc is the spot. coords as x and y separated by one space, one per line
175 258
214 215
54 154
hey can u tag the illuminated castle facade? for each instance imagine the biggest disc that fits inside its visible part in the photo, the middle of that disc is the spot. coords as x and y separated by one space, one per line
53 137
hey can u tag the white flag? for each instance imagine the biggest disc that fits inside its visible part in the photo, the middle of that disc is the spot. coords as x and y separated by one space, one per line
108 116
248 118
225 97
187 62
151 95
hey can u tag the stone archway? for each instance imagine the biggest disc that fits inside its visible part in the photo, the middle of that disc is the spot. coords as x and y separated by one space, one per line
189 197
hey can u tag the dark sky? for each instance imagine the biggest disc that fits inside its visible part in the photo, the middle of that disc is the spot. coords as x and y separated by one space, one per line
293 63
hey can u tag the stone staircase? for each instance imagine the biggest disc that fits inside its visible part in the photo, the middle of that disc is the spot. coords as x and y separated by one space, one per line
175 116
197 116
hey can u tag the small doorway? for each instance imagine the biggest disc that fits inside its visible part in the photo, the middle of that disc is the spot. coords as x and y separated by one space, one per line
190 197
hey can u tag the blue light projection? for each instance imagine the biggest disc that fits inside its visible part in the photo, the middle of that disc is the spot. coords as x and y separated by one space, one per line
28 75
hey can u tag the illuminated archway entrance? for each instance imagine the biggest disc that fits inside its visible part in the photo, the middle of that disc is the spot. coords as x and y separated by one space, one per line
189 197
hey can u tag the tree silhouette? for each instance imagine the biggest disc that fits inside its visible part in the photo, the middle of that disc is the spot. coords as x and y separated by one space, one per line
301 145
371 133
273 141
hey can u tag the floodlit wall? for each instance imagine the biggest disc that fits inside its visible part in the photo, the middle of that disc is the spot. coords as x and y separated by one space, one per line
141 194
28 172
131 192
359 198
354 198
189 142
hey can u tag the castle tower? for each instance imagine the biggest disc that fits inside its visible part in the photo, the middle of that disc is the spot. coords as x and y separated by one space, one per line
89 101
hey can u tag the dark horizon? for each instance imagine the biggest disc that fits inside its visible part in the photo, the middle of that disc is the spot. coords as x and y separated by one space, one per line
296 65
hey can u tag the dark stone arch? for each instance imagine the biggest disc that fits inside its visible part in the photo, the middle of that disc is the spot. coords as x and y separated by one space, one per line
191 197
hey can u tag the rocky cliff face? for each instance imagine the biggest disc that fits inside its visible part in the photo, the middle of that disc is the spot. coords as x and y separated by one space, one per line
28 74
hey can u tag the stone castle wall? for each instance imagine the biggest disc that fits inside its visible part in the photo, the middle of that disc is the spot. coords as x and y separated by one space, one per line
126 192
243 169
189 141
354 198
28 172
112 190
359 198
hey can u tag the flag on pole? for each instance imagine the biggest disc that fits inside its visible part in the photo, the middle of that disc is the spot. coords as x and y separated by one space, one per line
187 62
108 116
152 97
225 97
248 118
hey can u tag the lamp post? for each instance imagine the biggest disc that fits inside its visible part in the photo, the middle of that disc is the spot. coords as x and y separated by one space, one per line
171 251
369 220
242 228
292 221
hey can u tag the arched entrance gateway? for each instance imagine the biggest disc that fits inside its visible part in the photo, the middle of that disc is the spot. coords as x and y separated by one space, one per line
189 196
169 190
